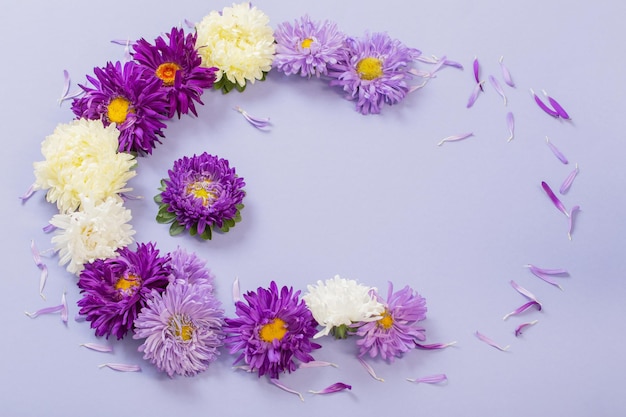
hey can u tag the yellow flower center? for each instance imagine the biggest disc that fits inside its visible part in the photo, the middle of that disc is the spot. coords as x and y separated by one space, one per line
167 72
181 327
118 110
274 330
128 284
202 190
369 68
306 43
386 322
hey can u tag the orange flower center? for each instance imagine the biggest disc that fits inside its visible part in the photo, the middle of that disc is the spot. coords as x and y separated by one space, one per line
167 72
273 330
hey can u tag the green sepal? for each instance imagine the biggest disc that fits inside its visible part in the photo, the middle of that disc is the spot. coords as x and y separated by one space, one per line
228 223
158 199
207 234
176 228
193 230
227 86
164 216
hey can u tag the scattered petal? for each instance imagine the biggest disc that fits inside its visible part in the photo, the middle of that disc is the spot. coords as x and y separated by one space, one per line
438 65
518 330
336 387
523 291
555 200
46 310
259 123
510 122
543 106
369 369
49 228
472 98
414 88
506 75
455 138
545 274
434 346
496 85
121 367
28 194
189 23
97 347
556 152
126 44
476 67
64 309
431 379
283 387
557 107
236 290
66 85
569 180
453 64
523 308
571 221
491 342
43 277
317 364
130 197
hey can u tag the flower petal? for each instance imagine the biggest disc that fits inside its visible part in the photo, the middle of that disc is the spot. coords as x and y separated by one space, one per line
557 107
556 151
571 221
43 277
28 194
434 346
491 342
476 68
510 122
454 138
121 367
64 309
506 75
236 290
496 85
317 364
97 347
518 330
523 291
475 92
285 388
431 379
543 106
555 200
369 369
259 123
46 310
545 274
336 387
567 183
523 308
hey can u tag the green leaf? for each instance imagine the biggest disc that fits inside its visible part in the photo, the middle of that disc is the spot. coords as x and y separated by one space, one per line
176 228
164 216
206 235
158 199
193 230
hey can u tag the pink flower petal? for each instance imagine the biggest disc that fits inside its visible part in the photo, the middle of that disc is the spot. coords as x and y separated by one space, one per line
523 308
556 152
121 367
523 291
491 342
555 200
46 310
285 388
316 364
97 347
510 122
431 379
506 75
259 123
369 369
496 85
336 387
475 92
455 138
543 106
567 183
546 274
518 330
571 221
434 346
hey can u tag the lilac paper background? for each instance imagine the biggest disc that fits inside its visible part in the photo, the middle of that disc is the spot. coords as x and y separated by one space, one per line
371 198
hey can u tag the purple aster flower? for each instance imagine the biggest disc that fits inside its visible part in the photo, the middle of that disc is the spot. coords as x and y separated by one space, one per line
187 268
271 330
115 289
130 97
374 71
396 332
202 192
182 327
307 47
177 64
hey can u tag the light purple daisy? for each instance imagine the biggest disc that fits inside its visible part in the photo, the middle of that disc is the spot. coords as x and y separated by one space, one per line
271 330
374 71
187 268
115 289
130 97
177 64
182 328
202 193
396 332
307 47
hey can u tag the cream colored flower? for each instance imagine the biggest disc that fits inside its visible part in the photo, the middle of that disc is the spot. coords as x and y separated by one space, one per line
81 161
341 301
95 231
238 41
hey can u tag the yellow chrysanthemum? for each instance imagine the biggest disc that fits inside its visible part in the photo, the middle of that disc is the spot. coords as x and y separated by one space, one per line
239 42
81 161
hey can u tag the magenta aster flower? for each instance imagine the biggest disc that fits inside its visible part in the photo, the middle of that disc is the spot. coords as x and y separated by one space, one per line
396 332
374 71
307 47
182 327
202 192
271 330
177 64
115 289
131 98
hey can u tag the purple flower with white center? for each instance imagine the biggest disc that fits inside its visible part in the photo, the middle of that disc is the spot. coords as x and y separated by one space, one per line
202 192
176 63
131 98
182 328
307 48
115 289
187 268
374 71
396 332
273 329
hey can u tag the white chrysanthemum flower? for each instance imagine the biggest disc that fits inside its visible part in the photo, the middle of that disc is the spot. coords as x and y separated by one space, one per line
95 231
238 41
81 161
341 301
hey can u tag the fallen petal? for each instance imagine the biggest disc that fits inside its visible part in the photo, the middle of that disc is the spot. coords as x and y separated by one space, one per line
28 194
36 254
555 200
259 123
545 274
543 106
472 98
490 342
431 379
369 370
510 122
317 364
518 330
236 290
557 107
64 309
97 347
49 228
283 387
569 180
121 367
523 291
571 221
455 138
46 310
43 277
476 67
523 308
434 346
496 85
506 75
556 152
336 387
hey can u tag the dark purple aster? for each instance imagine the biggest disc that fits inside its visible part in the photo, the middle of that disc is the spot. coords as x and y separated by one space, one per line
129 96
115 289
202 192
307 47
272 329
396 332
177 64
374 71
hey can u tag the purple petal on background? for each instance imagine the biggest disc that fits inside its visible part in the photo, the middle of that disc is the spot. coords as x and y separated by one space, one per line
122 42
317 364
496 85
130 197
46 310
454 138
121 367
431 379
490 342
336 387
518 330
523 308
417 87
66 86
555 200
476 67
43 277
49 228
543 106
438 65
64 309
189 23
545 274
523 291
556 151
257 122
36 254
97 347
434 346
454 64
571 221
236 290
510 122
569 180
557 107
506 75
285 388
472 98
369 369
28 194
